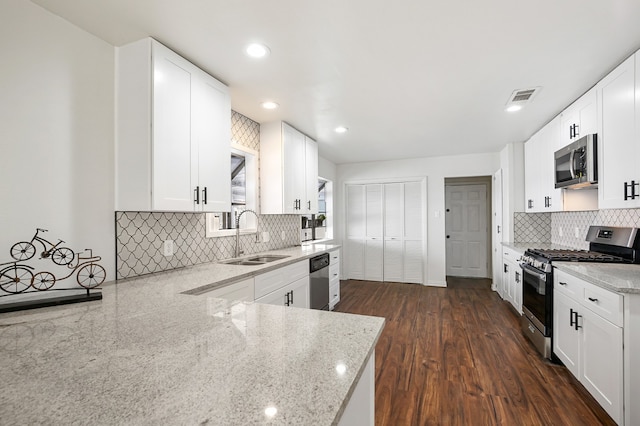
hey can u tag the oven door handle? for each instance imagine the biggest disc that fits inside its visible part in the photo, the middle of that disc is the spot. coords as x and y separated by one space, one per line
528 269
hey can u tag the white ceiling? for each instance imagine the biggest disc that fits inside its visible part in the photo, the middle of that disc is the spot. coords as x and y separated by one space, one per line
409 78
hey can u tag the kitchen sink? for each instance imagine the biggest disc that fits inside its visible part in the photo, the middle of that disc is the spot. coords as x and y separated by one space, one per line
267 258
254 261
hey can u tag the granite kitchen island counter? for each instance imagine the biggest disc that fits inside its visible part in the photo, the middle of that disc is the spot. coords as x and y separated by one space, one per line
148 354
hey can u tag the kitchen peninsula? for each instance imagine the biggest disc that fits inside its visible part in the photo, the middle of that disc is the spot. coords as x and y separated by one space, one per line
150 354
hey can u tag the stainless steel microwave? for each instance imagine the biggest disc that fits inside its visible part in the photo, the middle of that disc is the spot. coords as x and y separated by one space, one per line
576 165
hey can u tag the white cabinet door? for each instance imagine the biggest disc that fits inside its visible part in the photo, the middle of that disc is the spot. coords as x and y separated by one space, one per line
210 143
393 211
579 119
172 133
566 339
373 259
299 293
288 170
356 211
413 215
355 252
393 260
278 297
602 362
173 188
413 262
374 211
618 139
310 206
532 177
552 198
293 169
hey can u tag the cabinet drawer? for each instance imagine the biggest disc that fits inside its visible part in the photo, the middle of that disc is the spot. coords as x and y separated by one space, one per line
568 284
334 271
273 280
334 294
607 304
334 256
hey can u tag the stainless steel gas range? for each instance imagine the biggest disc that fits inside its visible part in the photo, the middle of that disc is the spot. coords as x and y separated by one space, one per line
606 244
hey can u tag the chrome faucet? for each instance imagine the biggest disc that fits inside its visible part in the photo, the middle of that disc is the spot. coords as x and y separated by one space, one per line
238 252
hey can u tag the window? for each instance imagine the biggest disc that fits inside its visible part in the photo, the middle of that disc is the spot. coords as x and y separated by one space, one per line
244 188
320 226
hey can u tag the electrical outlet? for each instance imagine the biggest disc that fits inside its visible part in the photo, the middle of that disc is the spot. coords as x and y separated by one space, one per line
283 236
266 237
577 232
168 248
560 231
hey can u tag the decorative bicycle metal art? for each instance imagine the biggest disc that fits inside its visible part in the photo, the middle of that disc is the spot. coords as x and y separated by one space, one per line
16 277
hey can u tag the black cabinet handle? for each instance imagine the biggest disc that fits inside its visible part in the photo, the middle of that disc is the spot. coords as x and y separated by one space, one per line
291 297
631 186
571 312
570 132
626 191
561 283
309 202
576 326
506 267
530 203
592 299
204 195
197 194
286 299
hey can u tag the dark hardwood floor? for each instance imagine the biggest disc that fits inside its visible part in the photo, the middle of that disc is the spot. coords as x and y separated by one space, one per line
456 356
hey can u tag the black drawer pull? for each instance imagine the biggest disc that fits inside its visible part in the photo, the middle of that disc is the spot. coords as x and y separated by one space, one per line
592 299
561 283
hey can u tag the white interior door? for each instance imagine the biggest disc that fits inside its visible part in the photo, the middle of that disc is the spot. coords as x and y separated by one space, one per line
466 230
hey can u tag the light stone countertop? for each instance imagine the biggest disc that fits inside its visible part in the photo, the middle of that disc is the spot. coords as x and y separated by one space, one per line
618 277
149 354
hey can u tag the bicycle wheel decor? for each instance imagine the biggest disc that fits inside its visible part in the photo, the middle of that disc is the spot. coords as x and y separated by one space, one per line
43 281
62 256
91 275
23 250
15 279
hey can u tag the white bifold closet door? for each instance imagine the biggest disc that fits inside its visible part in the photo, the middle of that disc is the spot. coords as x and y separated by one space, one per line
384 232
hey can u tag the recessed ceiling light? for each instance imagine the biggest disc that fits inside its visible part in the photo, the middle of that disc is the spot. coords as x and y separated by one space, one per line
270 105
514 108
341 129
257 50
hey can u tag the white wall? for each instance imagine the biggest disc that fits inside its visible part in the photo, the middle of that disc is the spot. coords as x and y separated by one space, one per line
436 169
56 131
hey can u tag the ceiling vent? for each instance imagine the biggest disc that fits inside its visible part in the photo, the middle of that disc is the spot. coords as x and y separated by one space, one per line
521 97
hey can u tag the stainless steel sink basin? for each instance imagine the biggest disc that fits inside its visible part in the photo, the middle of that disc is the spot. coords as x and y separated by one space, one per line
267 258
243 262
254 261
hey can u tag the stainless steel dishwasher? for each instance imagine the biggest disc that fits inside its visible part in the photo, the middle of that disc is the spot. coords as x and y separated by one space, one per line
319 282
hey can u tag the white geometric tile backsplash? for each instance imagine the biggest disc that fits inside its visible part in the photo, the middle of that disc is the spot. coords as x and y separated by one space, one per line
561 228
140 235
532 227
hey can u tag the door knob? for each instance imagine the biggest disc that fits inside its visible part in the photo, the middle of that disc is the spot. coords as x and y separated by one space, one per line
448 236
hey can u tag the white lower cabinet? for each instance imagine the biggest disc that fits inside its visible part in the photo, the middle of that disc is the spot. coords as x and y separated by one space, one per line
590 345
360 410
334 278
512 278
286 286
294 294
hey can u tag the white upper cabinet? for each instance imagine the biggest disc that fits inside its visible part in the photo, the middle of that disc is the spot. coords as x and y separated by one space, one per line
579 119
288 170
173 133
540 192
619 138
